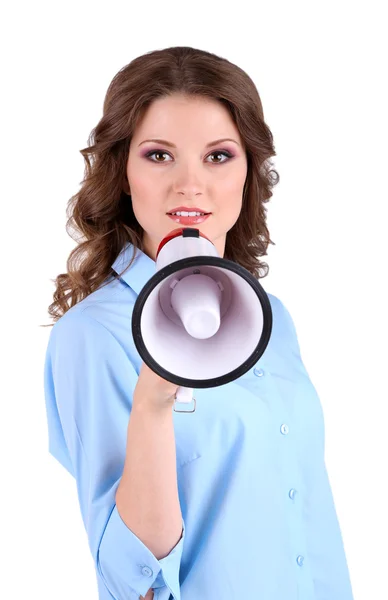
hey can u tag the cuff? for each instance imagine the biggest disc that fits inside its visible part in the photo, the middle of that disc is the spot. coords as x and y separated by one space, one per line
125 564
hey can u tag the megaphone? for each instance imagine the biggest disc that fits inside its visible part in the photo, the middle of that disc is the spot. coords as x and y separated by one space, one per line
201 321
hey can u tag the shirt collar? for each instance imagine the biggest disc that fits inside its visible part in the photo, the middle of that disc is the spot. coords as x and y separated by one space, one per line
141 270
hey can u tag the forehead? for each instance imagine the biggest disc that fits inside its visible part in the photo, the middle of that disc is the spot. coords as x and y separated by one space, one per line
180 115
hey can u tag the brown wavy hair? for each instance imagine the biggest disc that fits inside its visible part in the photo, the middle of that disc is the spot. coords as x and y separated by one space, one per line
102 212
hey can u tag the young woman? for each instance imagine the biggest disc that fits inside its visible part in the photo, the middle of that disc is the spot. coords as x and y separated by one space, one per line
231 501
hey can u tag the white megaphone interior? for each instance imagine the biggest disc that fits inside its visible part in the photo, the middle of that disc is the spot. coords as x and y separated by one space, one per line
241 319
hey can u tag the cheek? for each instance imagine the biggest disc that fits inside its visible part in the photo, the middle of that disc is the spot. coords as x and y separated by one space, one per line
145 204
138 177
144 192
233 184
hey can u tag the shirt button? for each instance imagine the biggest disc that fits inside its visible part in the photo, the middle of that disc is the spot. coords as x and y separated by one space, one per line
258 372
292 493
147 571
284 429
300 560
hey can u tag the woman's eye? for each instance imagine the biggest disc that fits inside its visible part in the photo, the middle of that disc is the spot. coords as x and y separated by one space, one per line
217 152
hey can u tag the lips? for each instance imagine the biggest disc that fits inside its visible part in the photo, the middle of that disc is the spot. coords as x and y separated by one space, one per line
189 220
187 209
199 211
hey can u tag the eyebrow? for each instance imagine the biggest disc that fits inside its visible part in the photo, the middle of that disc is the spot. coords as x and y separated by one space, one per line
166 143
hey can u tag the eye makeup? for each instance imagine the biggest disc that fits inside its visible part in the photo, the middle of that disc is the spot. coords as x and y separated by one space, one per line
225 152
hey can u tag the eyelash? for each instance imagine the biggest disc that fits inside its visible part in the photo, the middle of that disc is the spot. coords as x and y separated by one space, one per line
224 152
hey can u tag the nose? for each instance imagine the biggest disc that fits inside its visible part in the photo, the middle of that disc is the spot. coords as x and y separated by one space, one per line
188 181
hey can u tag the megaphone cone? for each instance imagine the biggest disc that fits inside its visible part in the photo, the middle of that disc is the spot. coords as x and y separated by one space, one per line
201 321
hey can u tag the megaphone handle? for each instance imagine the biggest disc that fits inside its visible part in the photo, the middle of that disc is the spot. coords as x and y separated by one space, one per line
184 394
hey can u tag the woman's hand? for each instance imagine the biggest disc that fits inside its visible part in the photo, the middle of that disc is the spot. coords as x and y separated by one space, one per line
152 391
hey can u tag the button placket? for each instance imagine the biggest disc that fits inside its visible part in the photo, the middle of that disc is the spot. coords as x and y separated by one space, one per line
284 430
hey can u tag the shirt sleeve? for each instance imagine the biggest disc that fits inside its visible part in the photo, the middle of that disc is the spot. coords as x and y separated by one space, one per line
327 556
89 382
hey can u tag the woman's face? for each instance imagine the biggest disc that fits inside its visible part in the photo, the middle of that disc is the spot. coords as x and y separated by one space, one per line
192 174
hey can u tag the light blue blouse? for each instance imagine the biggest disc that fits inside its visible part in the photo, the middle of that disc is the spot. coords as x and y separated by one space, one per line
259 521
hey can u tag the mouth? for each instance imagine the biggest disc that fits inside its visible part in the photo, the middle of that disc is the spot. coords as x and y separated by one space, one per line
189 220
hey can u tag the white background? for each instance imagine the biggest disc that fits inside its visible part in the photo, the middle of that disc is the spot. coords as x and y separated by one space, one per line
322 77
